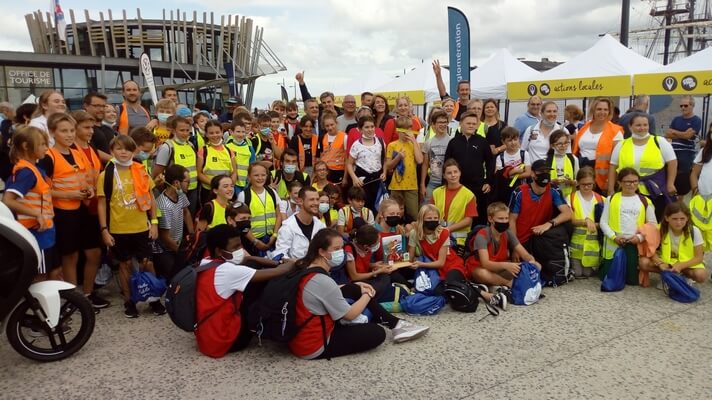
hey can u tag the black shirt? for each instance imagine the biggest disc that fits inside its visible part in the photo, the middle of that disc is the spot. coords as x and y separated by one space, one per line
494 137
102 137
306 229
475 159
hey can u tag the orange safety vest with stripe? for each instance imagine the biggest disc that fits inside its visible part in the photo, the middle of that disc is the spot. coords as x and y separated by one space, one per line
334 155
123 124
142 191
349 225
604 150
38 198
314 144
68 178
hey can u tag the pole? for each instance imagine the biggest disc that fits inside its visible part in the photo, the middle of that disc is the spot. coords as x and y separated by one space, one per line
691 30
625 20
668 22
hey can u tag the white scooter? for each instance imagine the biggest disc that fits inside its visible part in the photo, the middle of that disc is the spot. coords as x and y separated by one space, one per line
45 321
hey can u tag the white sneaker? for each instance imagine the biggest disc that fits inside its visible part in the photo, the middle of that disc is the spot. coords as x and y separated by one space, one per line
405 331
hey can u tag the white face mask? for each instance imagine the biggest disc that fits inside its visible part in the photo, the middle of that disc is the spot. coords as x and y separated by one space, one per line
640 136
122 163
237 257
376 246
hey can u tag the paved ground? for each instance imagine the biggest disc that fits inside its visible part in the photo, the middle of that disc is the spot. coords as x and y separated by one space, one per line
576 343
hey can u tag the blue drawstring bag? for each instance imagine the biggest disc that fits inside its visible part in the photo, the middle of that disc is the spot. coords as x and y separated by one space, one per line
422 304
526 287
381 194
614 280
400 167
678 289
426 279
146 287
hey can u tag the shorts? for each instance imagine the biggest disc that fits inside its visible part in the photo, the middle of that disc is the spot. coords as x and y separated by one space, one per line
90 236
130 245
48 261
68 224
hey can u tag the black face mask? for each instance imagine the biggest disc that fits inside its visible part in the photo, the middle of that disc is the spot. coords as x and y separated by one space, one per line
394 220
501 226
431 225
243 226
542 179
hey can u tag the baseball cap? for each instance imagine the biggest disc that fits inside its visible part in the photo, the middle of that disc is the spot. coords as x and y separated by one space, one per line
540 165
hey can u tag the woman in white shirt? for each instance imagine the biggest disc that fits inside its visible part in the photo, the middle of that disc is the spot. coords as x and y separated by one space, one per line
50 102
536 137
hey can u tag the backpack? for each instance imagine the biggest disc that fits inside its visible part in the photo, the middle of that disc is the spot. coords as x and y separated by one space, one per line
274 316
463 296
426 281
526 287
180 297
614 280
248 196
552 251
677 288
422 304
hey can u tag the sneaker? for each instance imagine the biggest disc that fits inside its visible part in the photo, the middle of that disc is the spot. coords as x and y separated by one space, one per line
499 300
507 292
130 310
483 288
157 307
97 301
405 331
691 282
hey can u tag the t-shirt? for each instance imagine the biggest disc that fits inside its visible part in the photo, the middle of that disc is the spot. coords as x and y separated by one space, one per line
697 240
102 137
482 241
494 137
630 207
231 278
515 203
705 179
285 207
263 150
430 238
665 148
368 157
342 122
536 143
586 205
682 124
306 229
171 217
20 184
589 142
342 216
409 179
136 117
435 149
505 159
124 214
322 296
162 133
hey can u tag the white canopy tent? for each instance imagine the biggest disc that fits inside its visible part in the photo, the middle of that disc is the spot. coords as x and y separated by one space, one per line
490 79
700 61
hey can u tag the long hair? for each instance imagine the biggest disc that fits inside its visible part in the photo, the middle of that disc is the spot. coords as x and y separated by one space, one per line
707 150
674 208
25 143
421 217
320 241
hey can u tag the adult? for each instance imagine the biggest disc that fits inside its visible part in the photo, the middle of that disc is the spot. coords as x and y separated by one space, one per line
536 137
366 99
529 118
349 115
298 230
7 116
493 126
404 108
319 295
654 159
50 102
170 93
463 92
533 205
683 131
312 110
95 104
224 292
595 140
7 112
230 105
640 106
473 154
573 115
381 111
326 99
131 112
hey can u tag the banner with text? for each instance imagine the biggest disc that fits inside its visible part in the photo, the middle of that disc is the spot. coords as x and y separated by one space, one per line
571 88
692 82
459 38
147 72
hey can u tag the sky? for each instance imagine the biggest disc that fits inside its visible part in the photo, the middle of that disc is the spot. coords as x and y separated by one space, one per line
335 41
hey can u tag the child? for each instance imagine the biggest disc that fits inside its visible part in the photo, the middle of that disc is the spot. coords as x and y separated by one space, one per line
126 206
391 219
392 224
366 160
456 203
362 261
291 122
212 213
333 148
623 213
564 166
512 166
434 156
174 205
320 177
355 214
434 243
280 140
243 151
306 143
165 108
329 215
701 189
214 159
334 193
402 158
494 248
263 142
585 249
197 136
68 171
681 245
288 173
179 151
290 205
145 144
28 194
407 219
264 207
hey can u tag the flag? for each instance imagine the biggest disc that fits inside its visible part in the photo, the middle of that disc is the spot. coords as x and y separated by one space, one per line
285 96
147 72
59 20
459 38
230 75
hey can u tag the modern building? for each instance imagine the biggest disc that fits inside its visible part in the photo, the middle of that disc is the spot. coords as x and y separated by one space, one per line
195 53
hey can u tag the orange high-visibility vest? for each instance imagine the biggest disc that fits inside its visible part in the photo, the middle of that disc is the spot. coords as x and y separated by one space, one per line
334 155
68 178
314 144
604 150
38 198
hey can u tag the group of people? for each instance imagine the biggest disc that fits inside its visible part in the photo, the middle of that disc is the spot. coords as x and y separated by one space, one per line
254 197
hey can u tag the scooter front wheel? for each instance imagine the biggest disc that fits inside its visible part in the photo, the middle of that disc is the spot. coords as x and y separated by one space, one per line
30 336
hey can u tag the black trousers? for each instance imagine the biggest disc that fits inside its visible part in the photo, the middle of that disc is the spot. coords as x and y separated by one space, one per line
249 297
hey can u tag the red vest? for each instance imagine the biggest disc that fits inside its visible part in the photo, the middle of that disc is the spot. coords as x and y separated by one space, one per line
452 261
311 337
532 213
218 333
502 253
362 263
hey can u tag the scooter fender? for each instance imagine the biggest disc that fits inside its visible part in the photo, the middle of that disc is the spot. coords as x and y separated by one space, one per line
47 294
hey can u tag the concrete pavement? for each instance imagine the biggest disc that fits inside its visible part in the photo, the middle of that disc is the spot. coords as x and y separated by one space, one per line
576 343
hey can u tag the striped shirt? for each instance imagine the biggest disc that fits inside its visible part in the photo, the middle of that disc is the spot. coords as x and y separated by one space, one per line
172 214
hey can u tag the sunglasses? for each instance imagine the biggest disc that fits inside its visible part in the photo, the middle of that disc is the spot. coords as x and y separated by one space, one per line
684 105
